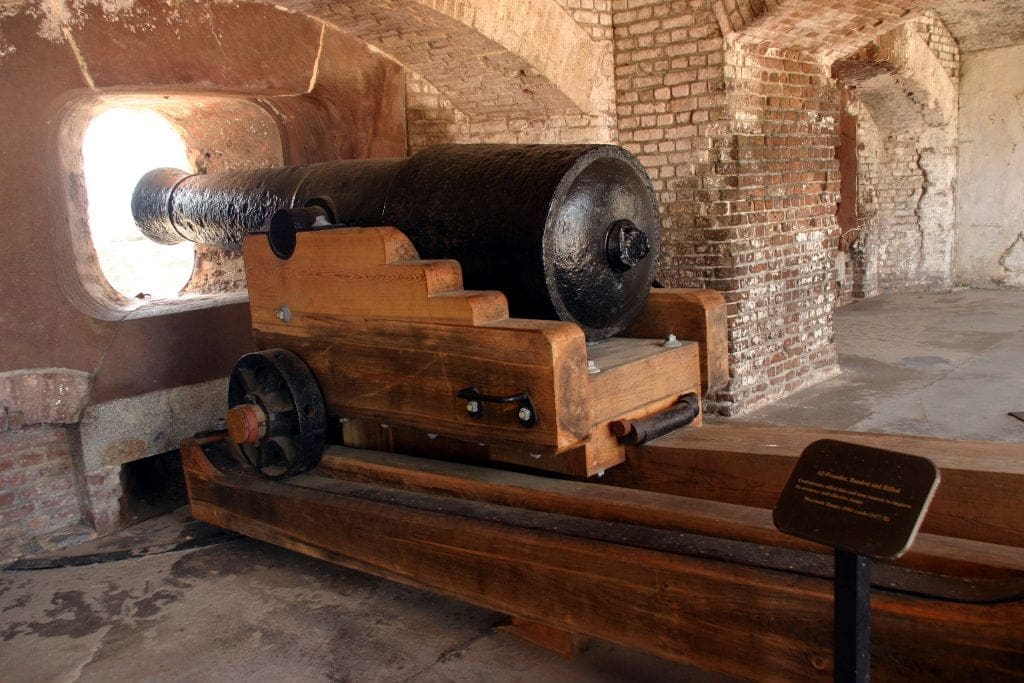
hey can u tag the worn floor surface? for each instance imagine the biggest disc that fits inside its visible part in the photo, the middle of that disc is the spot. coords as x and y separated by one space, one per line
945 365
942 365
247 611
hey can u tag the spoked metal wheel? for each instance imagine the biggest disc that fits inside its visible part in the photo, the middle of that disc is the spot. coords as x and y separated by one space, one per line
276 413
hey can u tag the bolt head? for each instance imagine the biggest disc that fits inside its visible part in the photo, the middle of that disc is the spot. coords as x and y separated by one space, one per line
284 314
472 406
592 367
525 414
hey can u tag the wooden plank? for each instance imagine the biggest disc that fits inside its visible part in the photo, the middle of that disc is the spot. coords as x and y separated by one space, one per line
359 272
693 610
691 314
379 378
603 450
637 372
568 497
743 463
557 640
950 557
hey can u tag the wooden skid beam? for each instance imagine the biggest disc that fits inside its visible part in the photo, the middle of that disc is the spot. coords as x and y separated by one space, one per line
939 554
748 464
753 623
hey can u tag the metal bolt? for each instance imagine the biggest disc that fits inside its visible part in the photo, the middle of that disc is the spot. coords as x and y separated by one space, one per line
525 414
671 342
383 426
284 314
472 406
535 456
431 436
592 367
600 473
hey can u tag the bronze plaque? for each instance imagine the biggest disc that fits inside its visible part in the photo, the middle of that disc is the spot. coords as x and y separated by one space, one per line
864 500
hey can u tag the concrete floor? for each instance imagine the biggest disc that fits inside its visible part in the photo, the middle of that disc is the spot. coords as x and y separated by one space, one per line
941 365
247 611
944 365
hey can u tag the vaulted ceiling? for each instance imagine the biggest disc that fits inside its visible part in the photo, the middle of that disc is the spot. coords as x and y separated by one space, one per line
983 24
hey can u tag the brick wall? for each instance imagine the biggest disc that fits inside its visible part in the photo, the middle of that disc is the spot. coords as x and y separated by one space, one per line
37 484
433 119
673 115
905 106
941 42
781 221
740 145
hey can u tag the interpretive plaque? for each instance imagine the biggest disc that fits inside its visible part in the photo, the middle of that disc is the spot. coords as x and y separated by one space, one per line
863 500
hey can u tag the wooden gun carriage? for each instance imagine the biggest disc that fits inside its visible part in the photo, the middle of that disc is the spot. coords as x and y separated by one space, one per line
396 423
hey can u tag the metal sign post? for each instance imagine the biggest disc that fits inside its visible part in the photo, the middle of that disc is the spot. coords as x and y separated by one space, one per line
866 503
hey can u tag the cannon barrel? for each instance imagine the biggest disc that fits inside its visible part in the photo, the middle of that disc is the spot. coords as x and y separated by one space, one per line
567 232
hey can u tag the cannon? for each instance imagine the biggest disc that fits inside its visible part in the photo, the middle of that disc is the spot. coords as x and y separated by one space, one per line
566 232
495 295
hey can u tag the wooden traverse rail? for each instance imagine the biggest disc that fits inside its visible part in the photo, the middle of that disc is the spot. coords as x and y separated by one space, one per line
744 621
978 499
948 556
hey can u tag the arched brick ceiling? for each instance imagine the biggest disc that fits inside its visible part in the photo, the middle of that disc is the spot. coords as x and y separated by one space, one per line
839 27
489 57
900 80
983 24
831 28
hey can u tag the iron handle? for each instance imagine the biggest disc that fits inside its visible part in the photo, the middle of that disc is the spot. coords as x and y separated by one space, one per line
475 400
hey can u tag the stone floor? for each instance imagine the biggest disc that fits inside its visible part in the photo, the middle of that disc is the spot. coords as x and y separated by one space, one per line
945 365
942 365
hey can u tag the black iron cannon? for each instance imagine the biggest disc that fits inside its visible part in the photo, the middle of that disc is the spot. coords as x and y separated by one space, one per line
567 232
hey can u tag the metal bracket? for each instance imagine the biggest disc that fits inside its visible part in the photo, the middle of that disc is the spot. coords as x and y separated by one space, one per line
475 400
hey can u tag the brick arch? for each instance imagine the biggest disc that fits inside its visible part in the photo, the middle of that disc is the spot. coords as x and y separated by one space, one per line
901 111
900 80
830 28
488 57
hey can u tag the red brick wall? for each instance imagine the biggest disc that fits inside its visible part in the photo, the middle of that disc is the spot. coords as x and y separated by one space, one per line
37 484
673 114
740 146
780 221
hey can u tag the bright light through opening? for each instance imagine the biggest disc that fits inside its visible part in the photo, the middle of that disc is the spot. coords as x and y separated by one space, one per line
119 146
